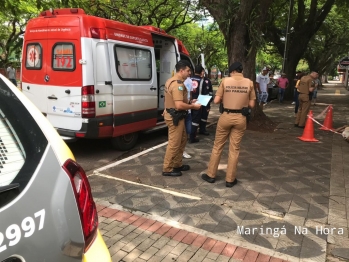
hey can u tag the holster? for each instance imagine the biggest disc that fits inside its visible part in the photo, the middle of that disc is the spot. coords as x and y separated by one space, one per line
221 108
176 115
245 111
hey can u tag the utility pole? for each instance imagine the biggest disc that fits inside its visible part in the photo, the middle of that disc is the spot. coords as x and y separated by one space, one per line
287 35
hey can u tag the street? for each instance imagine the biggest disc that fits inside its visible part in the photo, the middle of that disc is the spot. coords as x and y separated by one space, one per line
95 153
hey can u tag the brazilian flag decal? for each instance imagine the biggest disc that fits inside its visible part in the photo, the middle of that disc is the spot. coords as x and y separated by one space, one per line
102 104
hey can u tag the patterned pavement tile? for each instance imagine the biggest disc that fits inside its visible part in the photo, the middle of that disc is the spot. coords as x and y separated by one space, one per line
304 183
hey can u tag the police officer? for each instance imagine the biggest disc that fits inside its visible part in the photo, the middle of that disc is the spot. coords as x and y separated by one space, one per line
206 90
238 95
176 104
306 85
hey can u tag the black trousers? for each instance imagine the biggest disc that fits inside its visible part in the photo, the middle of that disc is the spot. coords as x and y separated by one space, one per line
203 119
195 122
198 119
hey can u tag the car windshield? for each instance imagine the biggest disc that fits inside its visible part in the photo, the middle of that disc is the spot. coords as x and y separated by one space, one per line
22 143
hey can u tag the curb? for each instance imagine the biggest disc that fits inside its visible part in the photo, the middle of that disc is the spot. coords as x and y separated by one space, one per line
191 235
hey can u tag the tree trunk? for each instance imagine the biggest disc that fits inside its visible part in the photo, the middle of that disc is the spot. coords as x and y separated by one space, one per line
325 78
241 28
304 28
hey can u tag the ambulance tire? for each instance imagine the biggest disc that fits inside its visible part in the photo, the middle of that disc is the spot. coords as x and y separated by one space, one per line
125 142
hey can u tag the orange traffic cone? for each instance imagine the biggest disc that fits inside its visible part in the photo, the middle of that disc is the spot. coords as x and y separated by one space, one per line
308 133
328 120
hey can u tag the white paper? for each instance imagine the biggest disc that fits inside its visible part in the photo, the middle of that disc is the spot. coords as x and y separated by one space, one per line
203 100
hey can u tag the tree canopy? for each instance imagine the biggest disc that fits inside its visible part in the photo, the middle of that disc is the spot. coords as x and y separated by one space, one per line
306 20
251 31
330 43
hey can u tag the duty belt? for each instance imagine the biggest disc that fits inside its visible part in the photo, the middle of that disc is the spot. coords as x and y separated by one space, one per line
232 110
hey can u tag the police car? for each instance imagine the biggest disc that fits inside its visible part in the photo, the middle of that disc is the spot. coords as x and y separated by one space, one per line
47 212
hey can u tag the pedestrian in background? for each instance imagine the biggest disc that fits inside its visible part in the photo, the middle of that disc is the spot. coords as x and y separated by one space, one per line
282 83
188 84
198 84
306 86
296 93
207 89
238 95
262 81
317 86
11 74
176 104
270 86
298 76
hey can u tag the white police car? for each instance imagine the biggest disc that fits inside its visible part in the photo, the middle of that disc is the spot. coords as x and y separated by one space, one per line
47 212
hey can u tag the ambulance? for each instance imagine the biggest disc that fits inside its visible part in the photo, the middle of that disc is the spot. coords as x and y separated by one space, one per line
98 78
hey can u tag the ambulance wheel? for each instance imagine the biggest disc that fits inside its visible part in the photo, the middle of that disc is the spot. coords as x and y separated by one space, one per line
125 142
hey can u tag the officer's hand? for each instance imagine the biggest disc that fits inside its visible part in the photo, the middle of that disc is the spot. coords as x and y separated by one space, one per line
194 101
196 106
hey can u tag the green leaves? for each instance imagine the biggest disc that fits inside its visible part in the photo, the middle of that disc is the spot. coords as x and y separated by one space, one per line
204 37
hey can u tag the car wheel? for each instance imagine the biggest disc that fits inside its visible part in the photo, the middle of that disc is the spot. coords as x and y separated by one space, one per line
125 142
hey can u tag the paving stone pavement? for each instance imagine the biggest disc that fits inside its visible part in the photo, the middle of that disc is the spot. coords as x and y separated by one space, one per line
136 237
291 202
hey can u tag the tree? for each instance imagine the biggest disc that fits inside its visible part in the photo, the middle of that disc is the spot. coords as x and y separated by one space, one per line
241 22
13 18
329 44
306 19
204 39
268 56
165 14
168 15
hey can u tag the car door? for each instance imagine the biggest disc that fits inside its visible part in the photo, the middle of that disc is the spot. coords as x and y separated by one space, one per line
134 87
64 74
35 57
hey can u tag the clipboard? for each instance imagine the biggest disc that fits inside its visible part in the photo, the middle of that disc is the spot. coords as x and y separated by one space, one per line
203 99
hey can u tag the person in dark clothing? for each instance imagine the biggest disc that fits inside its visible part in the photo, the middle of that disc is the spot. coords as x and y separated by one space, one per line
197 82
205 110
296 92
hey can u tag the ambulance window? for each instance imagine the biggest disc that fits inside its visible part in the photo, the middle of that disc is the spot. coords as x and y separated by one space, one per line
34 56
133 63
63 57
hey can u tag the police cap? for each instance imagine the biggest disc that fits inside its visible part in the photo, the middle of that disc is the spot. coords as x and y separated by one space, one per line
234 66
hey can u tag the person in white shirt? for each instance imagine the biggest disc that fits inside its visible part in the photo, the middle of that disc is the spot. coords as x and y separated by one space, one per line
188 84
262 83
11 74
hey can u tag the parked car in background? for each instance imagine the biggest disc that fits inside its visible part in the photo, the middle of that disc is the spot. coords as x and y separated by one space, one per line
47 212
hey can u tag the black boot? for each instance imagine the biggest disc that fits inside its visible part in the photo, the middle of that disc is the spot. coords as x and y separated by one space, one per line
192 137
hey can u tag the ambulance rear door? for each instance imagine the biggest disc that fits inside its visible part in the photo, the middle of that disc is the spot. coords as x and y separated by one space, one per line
35 57
64 73
134 81
103 82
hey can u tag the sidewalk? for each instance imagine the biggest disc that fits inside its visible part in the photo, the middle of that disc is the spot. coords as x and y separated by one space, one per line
291 202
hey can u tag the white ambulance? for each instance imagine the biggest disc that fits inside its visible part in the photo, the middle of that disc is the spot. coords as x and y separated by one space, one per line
98 78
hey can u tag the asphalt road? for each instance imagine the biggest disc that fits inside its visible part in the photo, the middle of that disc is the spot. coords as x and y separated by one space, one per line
95 153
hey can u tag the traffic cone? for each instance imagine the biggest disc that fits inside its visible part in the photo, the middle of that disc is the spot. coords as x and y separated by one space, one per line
328 120
308 133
